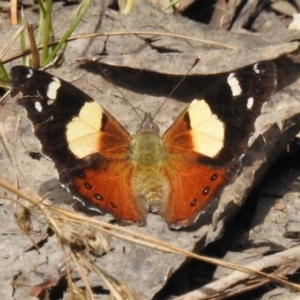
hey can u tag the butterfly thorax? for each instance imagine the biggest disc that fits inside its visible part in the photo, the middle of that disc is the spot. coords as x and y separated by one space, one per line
147 154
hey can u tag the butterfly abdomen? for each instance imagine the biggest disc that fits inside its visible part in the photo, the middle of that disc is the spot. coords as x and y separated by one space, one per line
151 188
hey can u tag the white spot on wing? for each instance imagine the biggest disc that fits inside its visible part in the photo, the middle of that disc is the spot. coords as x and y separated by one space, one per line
93 208
50 102
83 132
30 73
38 106
208 131
53 88
256 69
234 84
250 102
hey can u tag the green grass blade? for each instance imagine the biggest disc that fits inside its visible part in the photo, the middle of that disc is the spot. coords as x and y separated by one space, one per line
84 6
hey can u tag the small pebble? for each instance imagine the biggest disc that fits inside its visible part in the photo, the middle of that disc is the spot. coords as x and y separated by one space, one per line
280 206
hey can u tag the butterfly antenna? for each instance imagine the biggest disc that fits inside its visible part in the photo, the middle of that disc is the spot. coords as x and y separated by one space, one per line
177 85
124 99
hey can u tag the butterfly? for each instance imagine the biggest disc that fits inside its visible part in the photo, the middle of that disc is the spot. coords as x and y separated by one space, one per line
176 176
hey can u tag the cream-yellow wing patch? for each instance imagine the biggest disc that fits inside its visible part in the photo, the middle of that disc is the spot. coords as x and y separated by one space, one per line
208 131
83 132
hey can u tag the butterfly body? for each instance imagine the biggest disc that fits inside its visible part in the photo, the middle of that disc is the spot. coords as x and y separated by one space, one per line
177 175
147 155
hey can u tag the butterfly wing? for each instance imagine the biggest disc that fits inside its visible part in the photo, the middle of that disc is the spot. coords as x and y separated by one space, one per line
209 138
87 145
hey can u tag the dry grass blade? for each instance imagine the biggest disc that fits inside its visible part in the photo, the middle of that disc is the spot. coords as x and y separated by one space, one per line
35 55
10 42
14 12
79 235
118 289
75 231
207 42
91 35
219 286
